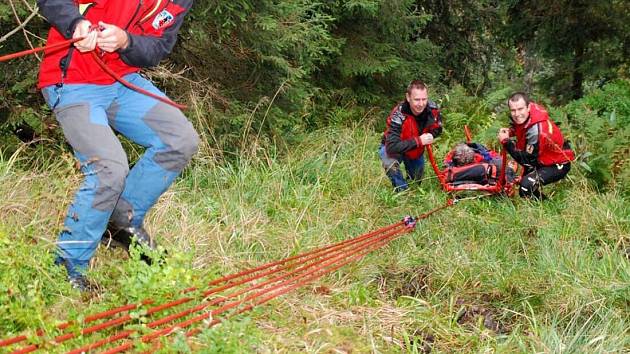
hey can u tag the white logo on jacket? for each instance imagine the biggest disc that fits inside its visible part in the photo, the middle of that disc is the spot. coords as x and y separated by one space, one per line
162 19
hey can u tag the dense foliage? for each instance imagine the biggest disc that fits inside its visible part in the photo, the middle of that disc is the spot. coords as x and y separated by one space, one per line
260 73
290 97
581 43
487 275
271 68
601 122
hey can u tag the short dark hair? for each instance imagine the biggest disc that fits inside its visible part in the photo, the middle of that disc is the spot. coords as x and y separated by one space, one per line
416 84
517 96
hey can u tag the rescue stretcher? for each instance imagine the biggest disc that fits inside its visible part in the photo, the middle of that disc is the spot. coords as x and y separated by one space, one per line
501 185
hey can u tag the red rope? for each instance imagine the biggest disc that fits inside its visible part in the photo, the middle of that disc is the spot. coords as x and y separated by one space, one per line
335 256
49 48
315 262
101 64
326 268
271 264
126 318
304 257
223 298
467 133
133 87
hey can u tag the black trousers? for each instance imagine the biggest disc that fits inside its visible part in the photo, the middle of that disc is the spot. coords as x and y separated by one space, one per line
534 178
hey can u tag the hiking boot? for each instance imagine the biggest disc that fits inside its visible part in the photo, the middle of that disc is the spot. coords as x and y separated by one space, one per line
76 278
81 283
125 236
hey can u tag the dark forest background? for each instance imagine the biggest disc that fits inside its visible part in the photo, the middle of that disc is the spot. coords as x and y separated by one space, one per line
270 70
290 99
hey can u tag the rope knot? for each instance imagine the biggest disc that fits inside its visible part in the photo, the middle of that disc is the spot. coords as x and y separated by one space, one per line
409 222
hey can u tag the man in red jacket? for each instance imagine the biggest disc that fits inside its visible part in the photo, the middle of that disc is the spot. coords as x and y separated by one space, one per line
539 147
411 125
91 107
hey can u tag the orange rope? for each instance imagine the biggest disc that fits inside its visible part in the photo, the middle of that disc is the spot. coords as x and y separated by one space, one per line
51 48
133 87
304 257
290 273
99 62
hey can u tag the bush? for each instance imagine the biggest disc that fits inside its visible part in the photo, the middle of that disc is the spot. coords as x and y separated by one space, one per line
601 125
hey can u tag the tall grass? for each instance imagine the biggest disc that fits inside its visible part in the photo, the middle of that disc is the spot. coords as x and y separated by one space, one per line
493 274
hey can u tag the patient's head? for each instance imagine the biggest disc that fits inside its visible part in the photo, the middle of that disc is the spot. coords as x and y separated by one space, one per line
463 155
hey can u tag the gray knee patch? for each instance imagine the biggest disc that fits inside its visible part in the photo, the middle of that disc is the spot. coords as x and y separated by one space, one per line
179 153
111 181
99 145
176 133
111 112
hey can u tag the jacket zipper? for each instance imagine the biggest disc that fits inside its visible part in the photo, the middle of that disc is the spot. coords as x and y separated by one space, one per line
134 15
64 63
146 18
152 12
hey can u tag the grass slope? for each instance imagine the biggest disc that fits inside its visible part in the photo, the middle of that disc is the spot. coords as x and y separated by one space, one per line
493 274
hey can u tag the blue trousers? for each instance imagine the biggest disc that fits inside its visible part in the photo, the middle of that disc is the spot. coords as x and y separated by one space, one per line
89 116
414 167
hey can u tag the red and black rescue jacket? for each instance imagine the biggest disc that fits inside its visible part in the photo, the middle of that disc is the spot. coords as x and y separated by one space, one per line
402 134
152 26
539 141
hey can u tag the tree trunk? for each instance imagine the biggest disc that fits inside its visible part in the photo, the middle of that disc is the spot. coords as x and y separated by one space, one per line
578 76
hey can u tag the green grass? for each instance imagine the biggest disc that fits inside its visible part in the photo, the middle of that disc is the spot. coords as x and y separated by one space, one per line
493 274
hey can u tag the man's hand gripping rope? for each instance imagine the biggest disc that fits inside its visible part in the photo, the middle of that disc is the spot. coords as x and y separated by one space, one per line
92 38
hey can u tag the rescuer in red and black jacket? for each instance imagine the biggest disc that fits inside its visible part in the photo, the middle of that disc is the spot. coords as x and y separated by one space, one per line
411 125
539 147
150 26
92 106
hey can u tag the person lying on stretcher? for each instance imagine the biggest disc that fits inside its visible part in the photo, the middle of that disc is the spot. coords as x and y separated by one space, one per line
473 163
